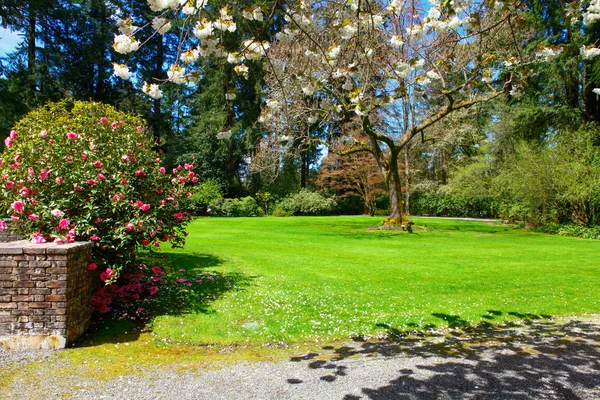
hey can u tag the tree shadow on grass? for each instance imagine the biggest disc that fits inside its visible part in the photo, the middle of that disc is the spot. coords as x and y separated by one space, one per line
529 359
189 286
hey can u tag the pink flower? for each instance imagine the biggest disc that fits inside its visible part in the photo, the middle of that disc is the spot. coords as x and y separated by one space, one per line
182 179
72 135
107 274
191 174
178 216
156 244
84 157
194 179
1 161
97 164
3 225
34 217
101 176
139 310
140 173
25 192
198 280
210 278
31 172
162 170
114 125
58 214
123 181
188 167
44 133
64 223
97 220
92 267
17 206
59 180
145 242
157 271
130 226
14 166
59 241
95 238
12 135
145 207
92 181
153 290
181 280
8 142
125 158
44 174
104 120
38 239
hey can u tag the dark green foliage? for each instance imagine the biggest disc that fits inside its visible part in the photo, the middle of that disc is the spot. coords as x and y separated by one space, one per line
242 207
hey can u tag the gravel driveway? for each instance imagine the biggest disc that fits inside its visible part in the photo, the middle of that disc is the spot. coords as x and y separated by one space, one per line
539 360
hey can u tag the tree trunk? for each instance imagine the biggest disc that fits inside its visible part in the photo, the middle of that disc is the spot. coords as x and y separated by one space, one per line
407 179
395 189
303 169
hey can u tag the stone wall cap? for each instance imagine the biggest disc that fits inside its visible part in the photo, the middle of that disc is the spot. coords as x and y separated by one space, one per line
26 246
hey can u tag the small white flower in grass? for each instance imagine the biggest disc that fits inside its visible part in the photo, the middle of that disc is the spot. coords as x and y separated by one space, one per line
152 90
230 96
347 31
190 56
596 91
161 25
223 135
241 70
121 71
125 44
176 74
312 119
396 40
587 53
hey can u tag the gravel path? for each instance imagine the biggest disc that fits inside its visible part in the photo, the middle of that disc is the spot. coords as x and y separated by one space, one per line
541 360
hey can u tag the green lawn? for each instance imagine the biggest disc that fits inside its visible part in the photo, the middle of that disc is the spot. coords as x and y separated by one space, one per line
307 279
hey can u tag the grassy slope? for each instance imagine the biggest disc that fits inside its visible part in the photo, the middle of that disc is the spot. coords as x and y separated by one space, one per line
326 278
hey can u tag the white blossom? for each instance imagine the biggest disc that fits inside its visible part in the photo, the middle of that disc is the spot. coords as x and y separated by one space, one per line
234 58
157 5
273 104
361 110
548 54
596 91
126 26
592 13
589 53
161 25
241 70
396 41
176 74
348 85
257 14
347 31
434 76
230 96
223 135
190 56
152 90
121 71
57 213
125 44
312 119
334 52
203 29
309 90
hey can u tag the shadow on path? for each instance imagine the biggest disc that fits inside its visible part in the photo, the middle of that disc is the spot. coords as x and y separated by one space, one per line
535 359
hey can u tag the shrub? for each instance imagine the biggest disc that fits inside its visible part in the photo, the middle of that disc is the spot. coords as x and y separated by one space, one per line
84 171
280 213
207 193
242 207
306 202
572 230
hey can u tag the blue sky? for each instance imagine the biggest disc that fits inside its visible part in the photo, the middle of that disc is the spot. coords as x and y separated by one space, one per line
8 40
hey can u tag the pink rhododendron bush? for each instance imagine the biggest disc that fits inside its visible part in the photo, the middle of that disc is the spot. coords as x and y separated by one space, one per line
80 171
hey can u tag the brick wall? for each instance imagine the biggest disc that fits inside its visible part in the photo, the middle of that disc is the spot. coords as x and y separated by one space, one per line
6 236
45 292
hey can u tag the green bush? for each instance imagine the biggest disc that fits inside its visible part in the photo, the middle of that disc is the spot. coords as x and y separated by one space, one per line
242 207
306 202
84 171
280 213
571 230
207 193
440 204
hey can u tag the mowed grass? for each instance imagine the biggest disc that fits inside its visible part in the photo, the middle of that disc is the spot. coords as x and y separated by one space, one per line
307 279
